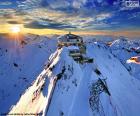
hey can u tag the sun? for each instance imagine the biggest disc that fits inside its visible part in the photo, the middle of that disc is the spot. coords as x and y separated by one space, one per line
15 29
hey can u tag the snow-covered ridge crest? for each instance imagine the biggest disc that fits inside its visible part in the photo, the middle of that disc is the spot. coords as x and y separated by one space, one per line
63 87
58 59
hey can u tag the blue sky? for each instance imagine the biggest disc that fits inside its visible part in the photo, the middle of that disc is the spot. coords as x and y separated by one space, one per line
74 15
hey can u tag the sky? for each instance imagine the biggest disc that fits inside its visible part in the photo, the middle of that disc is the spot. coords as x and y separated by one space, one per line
77 16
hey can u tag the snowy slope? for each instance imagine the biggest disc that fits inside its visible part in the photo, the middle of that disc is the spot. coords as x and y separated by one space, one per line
124 49
20 64
60 60
120 83
63 87
134 69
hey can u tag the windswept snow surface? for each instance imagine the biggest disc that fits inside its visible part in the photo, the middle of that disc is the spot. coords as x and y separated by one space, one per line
63 87
124 49
20 63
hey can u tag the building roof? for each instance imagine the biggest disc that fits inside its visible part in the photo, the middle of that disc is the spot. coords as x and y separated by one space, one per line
73 48
70 36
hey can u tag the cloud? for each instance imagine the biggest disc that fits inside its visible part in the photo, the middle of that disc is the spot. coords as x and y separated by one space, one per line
56 4
12 16
78 3
103 16
5 3
54 18
14 22
9 12
45 25
73 14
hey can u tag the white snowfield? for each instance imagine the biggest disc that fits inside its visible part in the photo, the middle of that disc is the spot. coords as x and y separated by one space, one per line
125 50
63 87
20 64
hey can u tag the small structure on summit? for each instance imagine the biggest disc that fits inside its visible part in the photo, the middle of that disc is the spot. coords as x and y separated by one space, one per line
76 47
74 51
69 39
78 56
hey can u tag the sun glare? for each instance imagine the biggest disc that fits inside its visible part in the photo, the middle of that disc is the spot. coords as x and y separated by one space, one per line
15 29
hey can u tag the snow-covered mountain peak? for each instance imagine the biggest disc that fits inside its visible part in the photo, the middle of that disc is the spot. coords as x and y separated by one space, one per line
63 82
65 85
